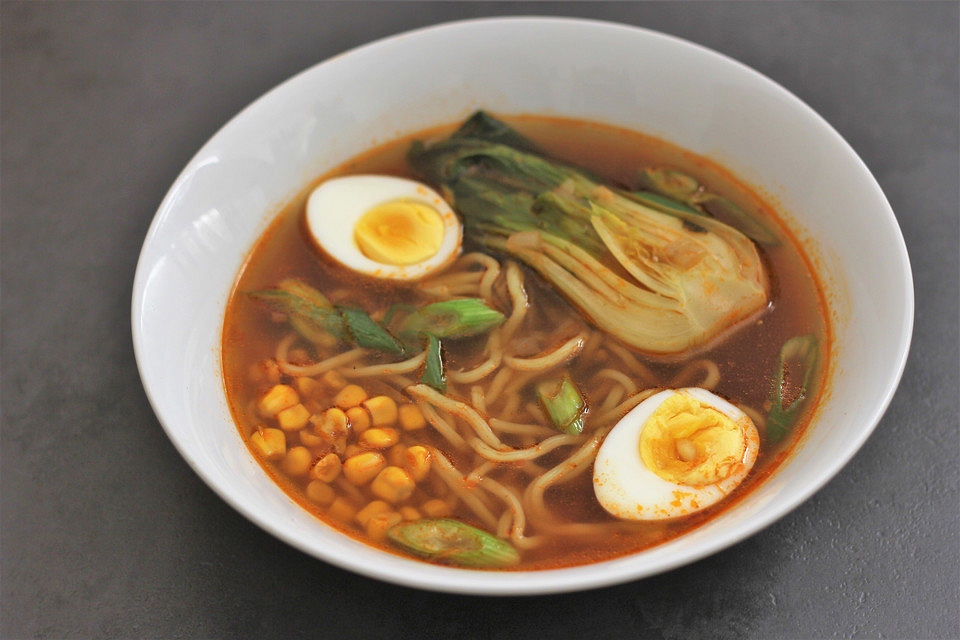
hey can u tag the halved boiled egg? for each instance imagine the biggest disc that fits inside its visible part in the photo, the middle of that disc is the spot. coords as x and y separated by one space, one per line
383 226
676 453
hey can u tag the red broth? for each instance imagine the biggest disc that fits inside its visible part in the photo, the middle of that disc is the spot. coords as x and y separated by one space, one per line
745 358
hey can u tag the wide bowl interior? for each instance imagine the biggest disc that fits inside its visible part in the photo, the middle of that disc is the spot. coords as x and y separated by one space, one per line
611 73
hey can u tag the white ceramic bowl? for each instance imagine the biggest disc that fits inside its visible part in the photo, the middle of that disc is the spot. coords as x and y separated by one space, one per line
612 73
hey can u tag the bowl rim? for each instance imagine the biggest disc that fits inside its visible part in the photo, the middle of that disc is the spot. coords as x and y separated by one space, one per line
544 581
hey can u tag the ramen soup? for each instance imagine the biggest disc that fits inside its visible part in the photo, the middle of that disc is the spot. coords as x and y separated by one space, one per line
524 343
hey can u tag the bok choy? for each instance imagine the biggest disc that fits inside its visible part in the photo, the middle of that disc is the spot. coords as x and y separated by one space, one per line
661 282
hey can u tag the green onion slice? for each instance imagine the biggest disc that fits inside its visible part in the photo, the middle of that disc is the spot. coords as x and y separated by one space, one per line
367 333
791 384
563 404
453 542
433 373
460 318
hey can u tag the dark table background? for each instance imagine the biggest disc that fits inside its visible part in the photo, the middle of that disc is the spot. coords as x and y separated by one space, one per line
107 533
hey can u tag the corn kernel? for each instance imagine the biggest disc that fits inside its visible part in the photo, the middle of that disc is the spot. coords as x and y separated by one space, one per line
340 446
293 418
264 372
333 380
309 439
417 462
374 508
409 513
276 400
350 450
350 396
359 419
435 508
331 424
297 461
397 455
341 509
269 443
393 484
320 492
308 387
411 418
379 438
327 468
377 527
362 468
383 411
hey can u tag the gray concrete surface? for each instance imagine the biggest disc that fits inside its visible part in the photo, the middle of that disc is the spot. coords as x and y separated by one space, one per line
106 533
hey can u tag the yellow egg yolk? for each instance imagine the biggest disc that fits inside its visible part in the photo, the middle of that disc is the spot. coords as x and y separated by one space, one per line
399 232
690 443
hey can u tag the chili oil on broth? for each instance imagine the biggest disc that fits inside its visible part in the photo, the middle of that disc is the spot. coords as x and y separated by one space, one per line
746 357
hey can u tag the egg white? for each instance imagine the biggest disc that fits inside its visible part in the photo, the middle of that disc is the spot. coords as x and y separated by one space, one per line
628 489
335 206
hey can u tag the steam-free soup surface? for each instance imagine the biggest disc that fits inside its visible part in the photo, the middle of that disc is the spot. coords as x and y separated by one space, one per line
738 366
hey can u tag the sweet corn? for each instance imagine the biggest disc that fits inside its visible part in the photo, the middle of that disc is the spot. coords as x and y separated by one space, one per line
341 509
331 424
359 419
293 418
340 446
308 387
375 508
383 411
417 462
377 527
379 438
327 468
269 443
393 484
435 508
333 380
309 439
265 371
397 455
409 513
320 492
297 461
362 468
350 396
411 418
350 450
276 400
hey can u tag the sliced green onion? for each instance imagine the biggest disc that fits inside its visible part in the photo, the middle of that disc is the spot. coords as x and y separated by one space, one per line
367 333
395 309
310 317
301 289
459 318
433 373
563 404
798 359
453 542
